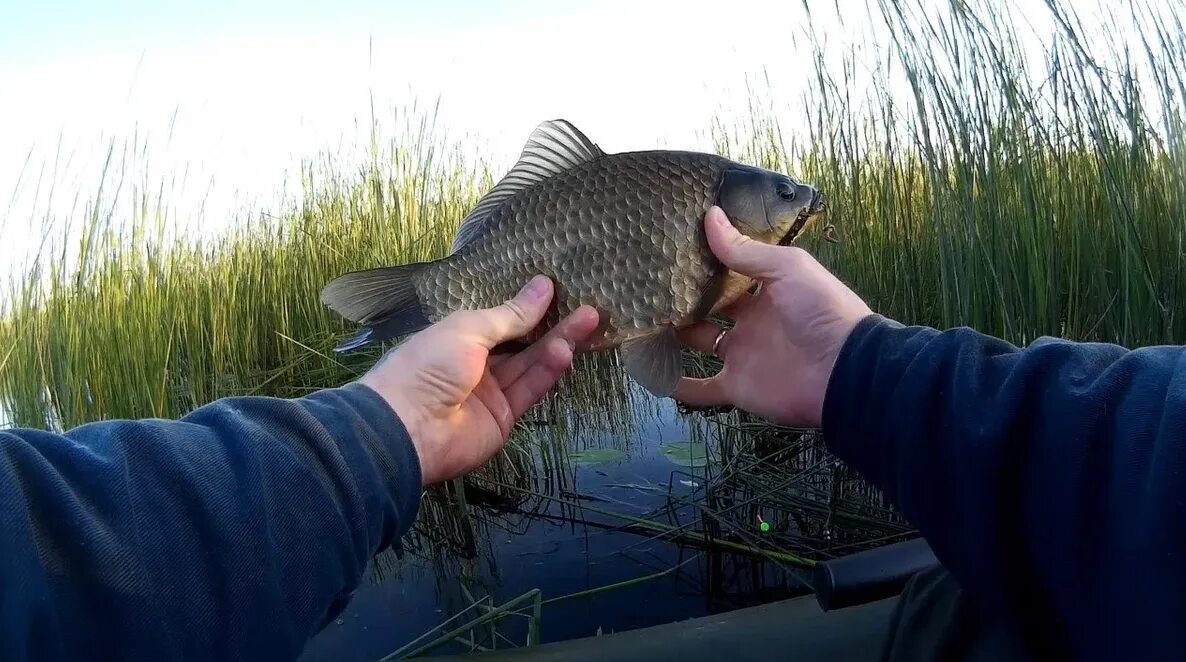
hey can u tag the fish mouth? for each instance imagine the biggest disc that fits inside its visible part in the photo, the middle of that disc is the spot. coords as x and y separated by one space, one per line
817 206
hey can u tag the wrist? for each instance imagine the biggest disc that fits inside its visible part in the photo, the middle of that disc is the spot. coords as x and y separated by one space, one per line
833 387
817 375
414 420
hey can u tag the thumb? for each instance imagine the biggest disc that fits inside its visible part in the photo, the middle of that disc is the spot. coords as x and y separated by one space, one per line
516 317
737 251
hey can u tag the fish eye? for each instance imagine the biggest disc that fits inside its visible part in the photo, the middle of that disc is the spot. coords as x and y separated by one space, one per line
786 191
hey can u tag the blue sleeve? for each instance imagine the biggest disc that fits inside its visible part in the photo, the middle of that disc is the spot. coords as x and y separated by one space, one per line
1050 480
233 533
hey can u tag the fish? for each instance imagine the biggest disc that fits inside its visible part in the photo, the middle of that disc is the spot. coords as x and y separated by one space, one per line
622 232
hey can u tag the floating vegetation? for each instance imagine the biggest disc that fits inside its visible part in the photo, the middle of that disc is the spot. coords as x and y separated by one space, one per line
590 456
686 453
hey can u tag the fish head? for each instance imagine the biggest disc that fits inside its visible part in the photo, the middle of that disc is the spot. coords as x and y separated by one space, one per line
766 205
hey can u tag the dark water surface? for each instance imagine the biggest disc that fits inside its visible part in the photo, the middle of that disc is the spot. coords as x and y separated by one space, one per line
546 543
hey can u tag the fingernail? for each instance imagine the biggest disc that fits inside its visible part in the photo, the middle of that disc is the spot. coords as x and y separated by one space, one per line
537 288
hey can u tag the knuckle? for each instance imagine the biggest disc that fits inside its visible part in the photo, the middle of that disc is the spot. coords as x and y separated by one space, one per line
800 254
738 241
517 310
504 416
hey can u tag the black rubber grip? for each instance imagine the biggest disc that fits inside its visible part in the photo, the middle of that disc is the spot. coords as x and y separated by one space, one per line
870 575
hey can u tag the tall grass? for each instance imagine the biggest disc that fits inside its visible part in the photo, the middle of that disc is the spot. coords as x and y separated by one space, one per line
149 326
974 182
1020 197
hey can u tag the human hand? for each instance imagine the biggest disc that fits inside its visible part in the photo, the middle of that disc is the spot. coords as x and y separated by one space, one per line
779 355
458 402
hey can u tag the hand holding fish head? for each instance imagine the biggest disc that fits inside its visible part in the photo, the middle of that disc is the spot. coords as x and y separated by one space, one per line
779 355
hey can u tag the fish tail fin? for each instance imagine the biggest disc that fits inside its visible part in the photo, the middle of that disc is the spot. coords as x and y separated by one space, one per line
383 300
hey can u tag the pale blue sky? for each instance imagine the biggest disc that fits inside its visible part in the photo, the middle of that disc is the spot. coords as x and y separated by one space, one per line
54 28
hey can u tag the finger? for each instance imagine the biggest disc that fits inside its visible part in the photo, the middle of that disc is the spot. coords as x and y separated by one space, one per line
489 393
700 336
508 347
738 307
513 319
573 330
701 392
538 379
737 251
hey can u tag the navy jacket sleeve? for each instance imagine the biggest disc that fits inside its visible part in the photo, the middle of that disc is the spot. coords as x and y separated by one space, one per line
232 533
1050 480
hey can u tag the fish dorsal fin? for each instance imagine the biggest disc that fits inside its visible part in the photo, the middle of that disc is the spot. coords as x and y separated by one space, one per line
554 147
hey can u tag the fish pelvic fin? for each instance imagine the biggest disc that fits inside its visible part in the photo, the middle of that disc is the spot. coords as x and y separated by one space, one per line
653 361
383 300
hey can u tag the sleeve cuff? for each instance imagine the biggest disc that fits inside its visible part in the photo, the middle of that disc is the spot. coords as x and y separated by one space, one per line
389 444
859 389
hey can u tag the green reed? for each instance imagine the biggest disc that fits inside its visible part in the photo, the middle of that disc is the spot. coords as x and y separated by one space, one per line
1021 196
973 183
153 324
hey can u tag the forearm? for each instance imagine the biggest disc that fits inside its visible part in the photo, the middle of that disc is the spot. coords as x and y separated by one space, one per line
1048 479
230 533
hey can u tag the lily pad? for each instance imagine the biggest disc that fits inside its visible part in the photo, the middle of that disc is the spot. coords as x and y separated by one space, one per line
686 453
596 456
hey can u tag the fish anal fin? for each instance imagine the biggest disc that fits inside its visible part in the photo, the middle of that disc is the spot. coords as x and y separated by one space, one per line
653 361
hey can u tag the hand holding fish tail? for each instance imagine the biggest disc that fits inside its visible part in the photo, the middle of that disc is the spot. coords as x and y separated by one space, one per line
458 401
779 355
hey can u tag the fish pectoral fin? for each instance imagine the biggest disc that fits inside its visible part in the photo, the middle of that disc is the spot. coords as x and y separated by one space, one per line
654 361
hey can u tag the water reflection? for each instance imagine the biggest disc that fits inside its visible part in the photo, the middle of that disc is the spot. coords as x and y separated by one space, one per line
581 532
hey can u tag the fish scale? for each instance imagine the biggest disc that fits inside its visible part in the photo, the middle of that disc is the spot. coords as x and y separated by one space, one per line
605 239
620 232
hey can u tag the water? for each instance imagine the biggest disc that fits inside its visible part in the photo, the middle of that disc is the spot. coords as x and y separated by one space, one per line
546 543
549 549
553 516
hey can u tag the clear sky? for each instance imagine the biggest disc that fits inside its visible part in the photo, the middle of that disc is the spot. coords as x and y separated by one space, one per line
220 99
231 94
